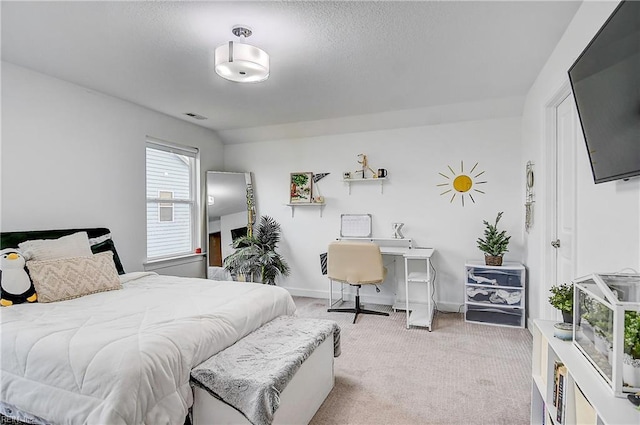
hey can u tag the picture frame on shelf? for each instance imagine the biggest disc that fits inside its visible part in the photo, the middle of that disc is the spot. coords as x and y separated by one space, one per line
301 187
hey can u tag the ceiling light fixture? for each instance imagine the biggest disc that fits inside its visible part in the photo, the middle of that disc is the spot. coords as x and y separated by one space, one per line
240 62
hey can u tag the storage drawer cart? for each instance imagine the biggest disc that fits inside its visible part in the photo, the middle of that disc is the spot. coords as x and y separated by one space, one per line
495 295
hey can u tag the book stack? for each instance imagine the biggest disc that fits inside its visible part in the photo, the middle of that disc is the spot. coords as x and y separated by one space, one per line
559 390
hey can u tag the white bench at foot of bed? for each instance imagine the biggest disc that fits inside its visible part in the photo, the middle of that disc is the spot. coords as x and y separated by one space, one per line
248 375
299 401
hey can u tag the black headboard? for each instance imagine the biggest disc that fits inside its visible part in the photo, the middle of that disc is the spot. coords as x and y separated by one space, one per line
12 239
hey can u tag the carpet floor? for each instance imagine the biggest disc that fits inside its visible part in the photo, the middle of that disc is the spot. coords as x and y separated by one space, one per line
459 374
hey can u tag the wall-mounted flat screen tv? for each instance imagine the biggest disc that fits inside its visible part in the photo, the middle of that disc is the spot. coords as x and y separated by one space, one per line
606 86
238 233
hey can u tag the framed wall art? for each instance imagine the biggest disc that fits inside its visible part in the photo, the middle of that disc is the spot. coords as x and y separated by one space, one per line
300 186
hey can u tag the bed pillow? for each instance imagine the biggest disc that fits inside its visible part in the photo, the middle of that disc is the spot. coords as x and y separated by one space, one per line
105 243
67 278
74 245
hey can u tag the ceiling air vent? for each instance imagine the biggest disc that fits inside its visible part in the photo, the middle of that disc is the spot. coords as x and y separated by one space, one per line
196 116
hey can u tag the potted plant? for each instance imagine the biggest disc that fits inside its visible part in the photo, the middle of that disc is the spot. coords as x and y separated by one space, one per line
631 356
562 299
601 319
494 244
255 256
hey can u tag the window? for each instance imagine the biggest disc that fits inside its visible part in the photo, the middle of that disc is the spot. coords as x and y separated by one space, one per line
172 205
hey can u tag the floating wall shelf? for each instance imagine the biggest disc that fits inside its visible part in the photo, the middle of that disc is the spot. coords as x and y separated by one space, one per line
379 180
310 204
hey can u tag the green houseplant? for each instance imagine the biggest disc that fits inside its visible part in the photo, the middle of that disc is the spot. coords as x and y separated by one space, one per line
255 255
562 299
631 359
495 242
632 334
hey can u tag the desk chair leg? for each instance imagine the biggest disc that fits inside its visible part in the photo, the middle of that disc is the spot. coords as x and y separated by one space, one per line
357 310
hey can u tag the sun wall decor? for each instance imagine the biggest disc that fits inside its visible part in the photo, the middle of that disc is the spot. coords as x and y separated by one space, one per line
462 183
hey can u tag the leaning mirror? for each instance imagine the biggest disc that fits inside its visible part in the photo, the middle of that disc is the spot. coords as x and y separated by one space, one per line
230 214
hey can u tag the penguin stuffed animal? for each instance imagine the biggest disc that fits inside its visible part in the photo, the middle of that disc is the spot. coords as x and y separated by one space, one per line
15 285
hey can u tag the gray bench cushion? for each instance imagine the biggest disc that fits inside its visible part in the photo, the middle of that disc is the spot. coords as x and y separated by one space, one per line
251 374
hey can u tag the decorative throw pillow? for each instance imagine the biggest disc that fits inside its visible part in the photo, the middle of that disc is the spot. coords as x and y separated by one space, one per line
74 245
66 278
15 284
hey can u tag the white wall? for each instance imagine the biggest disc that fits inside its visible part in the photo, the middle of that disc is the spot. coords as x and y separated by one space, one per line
608 214
413 157
72 157
214 226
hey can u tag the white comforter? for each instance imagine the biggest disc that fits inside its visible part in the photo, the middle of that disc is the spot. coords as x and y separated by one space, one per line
124 356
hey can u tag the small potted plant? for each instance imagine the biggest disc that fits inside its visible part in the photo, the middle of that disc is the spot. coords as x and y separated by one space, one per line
631 356
255 256
601 320
494 244
562 299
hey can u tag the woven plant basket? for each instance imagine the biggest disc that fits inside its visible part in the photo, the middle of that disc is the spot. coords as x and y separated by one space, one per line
493 260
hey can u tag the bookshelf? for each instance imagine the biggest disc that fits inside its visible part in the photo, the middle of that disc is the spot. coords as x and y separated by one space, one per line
586 397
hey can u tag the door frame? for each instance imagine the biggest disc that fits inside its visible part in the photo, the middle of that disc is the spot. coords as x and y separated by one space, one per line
215 249
549 232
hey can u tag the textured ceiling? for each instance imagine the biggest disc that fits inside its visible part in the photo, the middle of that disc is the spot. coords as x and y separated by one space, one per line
328 59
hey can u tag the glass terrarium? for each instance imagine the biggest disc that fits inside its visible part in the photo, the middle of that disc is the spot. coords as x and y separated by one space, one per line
607 327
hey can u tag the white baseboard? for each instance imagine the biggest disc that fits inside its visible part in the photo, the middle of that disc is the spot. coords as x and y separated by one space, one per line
299 292
450 307
349 294
372 299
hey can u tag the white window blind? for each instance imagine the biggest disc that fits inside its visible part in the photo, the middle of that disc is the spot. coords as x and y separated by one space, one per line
172 204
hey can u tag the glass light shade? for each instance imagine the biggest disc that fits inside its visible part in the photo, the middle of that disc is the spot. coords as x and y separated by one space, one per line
242 63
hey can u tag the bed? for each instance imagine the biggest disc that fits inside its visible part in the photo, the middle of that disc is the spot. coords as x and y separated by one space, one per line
124 356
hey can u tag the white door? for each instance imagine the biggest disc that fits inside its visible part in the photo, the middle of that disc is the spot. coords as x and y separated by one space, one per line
567 132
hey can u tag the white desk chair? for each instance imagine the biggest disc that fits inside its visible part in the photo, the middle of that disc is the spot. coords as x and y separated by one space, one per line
355 263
